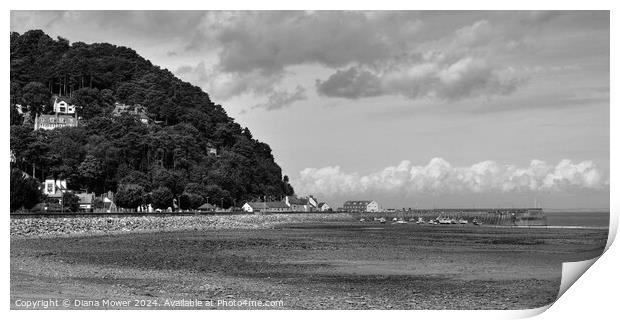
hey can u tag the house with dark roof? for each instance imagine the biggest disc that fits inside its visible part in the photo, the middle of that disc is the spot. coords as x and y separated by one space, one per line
297 204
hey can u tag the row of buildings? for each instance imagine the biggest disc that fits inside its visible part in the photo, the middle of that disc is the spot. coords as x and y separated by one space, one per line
55 189
65 114
309 204
288 204
360 206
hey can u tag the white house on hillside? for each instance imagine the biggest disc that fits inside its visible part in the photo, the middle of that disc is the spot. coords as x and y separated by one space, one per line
61 106
53 121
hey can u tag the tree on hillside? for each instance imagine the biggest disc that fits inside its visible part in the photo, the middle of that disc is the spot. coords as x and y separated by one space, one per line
24 191
129 196
36 97
170 152
91 170
195 188
16 93
162 198
288 189
93 102
135 177
191 201
70 201
15 117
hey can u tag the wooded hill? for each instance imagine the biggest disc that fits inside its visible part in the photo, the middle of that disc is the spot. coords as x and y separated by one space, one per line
106 152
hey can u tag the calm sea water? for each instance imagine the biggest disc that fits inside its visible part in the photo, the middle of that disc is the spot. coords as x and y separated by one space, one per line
577 218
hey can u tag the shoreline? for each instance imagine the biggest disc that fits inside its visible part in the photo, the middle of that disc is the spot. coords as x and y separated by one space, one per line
58 227
80 226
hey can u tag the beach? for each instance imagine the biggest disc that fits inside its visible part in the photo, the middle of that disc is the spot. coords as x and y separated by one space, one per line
311 264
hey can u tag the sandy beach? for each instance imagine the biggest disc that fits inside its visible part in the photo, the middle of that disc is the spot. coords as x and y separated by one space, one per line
309 264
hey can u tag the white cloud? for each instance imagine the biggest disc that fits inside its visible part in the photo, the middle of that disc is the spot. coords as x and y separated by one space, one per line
446 80
440 177
282 98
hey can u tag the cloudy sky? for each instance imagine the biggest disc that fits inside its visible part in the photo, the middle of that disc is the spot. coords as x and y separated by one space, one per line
408 108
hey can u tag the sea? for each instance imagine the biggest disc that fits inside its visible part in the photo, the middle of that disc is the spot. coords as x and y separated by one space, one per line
598 219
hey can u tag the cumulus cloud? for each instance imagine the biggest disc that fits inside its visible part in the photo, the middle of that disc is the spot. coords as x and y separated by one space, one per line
440 177
223 85
450 68
430 79
351 83
255 48
272 40
282 98
445 55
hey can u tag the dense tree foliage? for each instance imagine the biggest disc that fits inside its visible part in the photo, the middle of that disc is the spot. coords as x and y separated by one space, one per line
24 191
106 151
129 196
70 201
162 198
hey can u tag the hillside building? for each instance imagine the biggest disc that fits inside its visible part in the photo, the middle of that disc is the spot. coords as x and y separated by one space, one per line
62 107
136 110
53 121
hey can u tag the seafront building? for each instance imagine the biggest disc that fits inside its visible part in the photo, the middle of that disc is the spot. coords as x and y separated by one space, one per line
272 206
297 204
288 204
361 206
54 186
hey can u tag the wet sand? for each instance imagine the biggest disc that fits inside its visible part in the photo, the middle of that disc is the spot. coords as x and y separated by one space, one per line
335 265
